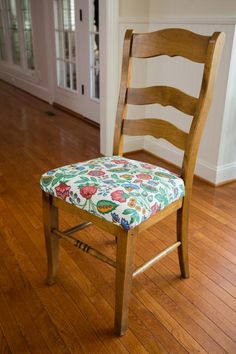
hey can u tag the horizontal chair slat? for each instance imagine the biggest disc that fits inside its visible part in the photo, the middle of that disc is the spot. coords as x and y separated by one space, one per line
171 42
164 95
158 128
155 259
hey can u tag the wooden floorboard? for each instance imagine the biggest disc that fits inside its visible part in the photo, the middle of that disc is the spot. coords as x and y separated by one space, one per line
167 314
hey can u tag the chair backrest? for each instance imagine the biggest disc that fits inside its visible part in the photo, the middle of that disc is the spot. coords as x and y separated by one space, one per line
172 42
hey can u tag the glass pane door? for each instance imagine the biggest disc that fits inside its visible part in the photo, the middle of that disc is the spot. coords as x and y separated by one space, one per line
94 48
27 30
3 54
64 11
76 55
16 42
14 32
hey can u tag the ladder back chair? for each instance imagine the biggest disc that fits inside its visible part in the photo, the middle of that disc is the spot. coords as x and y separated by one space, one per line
123 196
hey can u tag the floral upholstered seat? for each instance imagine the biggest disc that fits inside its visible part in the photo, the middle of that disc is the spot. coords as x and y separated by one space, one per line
120 190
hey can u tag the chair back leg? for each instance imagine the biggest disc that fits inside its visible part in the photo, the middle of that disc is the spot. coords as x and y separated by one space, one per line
50 219
124 272
182 236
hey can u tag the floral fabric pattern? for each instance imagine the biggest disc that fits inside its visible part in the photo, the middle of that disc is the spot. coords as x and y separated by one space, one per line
123 191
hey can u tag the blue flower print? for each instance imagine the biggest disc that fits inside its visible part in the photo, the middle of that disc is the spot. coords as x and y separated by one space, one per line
51 172
124 223
115 217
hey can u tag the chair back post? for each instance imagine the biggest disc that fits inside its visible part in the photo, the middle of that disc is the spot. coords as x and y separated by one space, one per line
216 43
124 82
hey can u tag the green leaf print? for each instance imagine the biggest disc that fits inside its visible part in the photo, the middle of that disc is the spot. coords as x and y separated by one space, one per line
55 181
129 211
46 180
106 206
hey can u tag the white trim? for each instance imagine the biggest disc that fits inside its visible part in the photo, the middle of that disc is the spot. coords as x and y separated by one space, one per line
49 44
109 59
212 173
226 173
178 20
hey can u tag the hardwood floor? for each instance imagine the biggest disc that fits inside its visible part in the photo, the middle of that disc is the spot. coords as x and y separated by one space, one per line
167 314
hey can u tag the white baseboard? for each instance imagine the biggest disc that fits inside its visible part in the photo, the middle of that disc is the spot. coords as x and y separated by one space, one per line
226 173
26 85
211 173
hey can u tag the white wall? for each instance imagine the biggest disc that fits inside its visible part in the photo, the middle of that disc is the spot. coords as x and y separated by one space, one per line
192 8
134 8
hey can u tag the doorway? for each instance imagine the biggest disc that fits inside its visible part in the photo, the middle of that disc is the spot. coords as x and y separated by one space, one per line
76 56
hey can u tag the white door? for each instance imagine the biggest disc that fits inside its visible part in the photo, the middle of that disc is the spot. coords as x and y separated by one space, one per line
76 56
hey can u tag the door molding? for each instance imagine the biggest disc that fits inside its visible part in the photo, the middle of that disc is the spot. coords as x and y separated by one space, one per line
109 64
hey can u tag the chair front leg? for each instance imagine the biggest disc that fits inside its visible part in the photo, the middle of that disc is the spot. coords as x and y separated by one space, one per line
182 236
50 219
124 271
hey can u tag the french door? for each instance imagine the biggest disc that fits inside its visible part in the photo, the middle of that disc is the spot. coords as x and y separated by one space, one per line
76 56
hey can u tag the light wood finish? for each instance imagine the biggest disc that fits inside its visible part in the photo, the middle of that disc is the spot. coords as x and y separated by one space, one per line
124 83
84 247
167 315
164 95
172 42
124 271
50 221
155 259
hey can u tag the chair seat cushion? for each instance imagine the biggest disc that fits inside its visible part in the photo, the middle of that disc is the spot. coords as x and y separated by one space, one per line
120 190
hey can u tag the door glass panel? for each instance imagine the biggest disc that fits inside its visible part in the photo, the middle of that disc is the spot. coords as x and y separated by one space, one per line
60 45
3 55
27 29
61 73
74 81
64 14
14 32
68 82
72 45
66 45
94 49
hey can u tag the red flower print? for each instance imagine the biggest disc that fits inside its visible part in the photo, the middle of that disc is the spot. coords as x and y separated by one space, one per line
155 208
144 176
119 196
88 191
62 191
148 166
120 162
97 173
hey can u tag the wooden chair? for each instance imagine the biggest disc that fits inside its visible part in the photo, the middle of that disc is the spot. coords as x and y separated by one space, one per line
140 194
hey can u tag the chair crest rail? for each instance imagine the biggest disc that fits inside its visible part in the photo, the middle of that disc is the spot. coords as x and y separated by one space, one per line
171 42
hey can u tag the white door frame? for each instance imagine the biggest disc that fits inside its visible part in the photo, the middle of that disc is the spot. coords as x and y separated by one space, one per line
109 64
